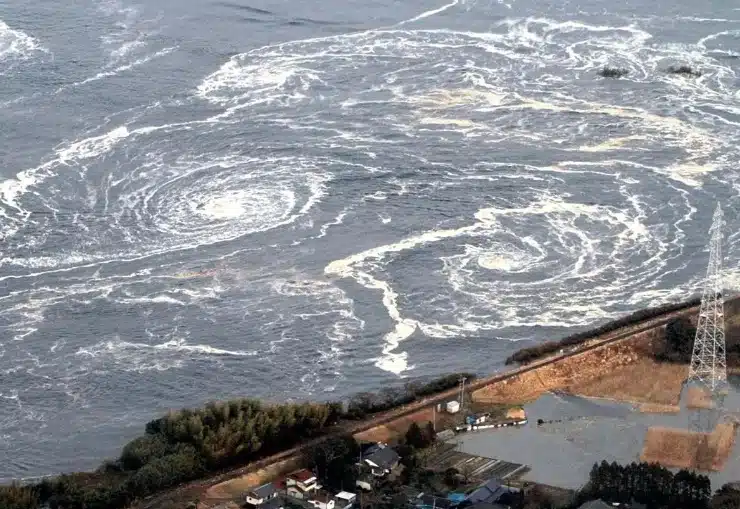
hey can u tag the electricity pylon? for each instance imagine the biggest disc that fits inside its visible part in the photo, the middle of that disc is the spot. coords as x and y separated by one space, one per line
708 369
708 360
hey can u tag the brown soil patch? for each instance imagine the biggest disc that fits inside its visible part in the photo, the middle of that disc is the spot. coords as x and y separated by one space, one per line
623 371
516 413
681 448
697 397
222 505
642 381
233 489
721 440
653 408
376 434
391 431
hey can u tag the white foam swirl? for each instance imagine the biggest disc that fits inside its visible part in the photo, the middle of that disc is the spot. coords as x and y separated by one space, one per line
16 45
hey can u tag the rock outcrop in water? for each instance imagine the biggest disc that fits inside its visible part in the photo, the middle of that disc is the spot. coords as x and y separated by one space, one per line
684 70
613 72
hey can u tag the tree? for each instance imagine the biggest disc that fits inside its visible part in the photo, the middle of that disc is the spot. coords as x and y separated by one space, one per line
140 451
452 477
538 498
335 461
653 485
679 337
727 497
429 434
415 437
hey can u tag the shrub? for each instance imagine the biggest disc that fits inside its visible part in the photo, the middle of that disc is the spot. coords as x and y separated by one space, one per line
727 497
679 341
18 497
165 472
366 403
142 450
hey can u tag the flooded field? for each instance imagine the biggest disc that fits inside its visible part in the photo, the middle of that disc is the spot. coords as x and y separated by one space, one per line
589 430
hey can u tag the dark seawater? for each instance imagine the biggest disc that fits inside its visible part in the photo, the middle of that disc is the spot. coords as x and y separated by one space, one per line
280 199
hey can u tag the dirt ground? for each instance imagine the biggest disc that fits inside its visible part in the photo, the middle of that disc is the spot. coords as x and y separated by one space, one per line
234 489
653 408
680 448
698 398
390 432
516 413
622 371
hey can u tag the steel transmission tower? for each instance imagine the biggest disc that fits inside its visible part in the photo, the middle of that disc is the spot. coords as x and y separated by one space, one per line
708 361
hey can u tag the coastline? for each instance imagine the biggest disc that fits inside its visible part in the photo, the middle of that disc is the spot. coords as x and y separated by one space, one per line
591 345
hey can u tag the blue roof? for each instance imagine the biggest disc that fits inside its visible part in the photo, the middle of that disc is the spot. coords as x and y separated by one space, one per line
456 497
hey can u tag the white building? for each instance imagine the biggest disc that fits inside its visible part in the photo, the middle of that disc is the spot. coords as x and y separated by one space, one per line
322 501
345 499
261 495
301 484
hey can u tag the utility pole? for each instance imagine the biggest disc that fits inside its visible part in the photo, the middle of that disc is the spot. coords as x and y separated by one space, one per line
462 394
708 369
708 363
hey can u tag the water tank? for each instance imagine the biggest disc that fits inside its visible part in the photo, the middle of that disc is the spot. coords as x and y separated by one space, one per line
453 407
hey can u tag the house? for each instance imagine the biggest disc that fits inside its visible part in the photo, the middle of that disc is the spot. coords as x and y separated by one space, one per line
260 495
273 503
301 484
595 504
321 501
600 504
425 501
491 492
381 459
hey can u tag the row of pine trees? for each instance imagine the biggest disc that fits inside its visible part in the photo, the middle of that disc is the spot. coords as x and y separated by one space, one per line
649 484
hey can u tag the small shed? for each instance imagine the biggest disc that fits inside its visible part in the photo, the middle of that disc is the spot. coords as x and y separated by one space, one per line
452 407
477 418
344 499
444 435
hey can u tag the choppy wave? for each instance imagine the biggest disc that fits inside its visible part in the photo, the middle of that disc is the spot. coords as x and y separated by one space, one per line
16 46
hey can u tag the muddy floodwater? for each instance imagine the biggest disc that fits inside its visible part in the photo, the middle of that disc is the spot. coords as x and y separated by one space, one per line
562 453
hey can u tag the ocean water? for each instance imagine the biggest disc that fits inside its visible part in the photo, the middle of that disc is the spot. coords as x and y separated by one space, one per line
212 199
